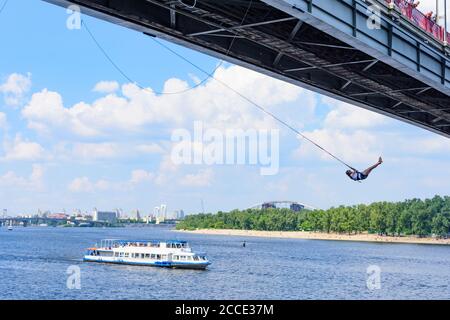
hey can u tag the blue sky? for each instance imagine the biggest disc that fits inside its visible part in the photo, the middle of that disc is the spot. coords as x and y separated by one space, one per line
68 146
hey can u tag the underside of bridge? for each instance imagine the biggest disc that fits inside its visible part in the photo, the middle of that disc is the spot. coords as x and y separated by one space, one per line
259 36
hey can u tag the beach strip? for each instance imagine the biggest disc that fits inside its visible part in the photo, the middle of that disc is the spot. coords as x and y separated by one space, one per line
364 237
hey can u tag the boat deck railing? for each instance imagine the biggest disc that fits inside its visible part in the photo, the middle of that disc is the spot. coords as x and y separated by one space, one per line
115 243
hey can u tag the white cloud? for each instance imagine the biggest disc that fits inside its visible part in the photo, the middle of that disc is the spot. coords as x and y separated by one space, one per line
201 179
82 184
45 113
94 151
426 146
15 88
34 182
21 149
85 185
139 176
346 116
106 87
359 136
355 147
3 121
103 185
167 171
136 110
149 148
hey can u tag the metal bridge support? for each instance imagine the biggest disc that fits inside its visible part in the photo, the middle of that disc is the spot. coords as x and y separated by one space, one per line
323 45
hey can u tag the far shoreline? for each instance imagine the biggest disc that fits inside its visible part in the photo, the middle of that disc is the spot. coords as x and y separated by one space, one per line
364 237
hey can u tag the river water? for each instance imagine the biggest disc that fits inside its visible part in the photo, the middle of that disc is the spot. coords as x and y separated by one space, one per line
34 264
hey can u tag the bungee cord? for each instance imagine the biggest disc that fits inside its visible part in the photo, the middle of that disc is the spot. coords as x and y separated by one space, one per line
255 104
209 75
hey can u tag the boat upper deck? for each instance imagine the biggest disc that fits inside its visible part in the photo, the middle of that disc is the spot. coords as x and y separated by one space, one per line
110 244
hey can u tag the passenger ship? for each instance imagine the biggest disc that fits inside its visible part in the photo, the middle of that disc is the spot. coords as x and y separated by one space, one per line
169 254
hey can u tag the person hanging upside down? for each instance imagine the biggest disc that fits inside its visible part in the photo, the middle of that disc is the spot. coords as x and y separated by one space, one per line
358 176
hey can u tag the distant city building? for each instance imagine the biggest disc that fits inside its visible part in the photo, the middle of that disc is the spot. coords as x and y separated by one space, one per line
179 215
105 216
148 219
292 205
163 211
59 216
119 213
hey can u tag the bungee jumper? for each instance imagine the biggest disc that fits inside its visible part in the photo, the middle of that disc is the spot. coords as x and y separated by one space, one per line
356 175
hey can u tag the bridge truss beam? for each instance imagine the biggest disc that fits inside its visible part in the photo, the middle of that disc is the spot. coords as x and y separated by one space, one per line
279 43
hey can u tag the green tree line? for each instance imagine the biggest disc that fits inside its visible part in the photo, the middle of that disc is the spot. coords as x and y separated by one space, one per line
410 217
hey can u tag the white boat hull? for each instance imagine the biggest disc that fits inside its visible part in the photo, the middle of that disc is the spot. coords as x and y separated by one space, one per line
150 263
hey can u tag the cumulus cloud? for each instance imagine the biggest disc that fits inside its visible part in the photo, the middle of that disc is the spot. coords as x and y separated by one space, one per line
46 113
349 132
346 116
34 182
427 146
359 136
95 151
85 185
139 176
356 147
101 151
201 179
22 150
149 148
15 87
106 87
3 121
81 184
135 110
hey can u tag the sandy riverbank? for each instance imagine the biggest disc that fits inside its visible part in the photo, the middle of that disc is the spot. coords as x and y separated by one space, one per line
319 236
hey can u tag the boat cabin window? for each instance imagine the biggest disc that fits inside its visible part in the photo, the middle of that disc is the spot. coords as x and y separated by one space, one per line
127 254
176 245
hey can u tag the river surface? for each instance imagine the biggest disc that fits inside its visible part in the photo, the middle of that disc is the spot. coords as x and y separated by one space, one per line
34 264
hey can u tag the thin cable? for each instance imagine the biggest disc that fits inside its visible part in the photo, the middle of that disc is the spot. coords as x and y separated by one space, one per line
256 105
184 4
99 46
209 75
3 6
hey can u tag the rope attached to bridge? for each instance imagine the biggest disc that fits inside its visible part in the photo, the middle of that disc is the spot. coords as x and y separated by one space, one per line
287 125
210 75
